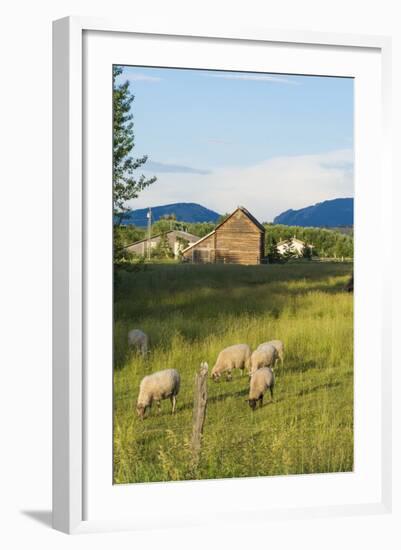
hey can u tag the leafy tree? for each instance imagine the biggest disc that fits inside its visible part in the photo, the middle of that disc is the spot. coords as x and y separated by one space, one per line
121 254
200 229
125 185
163 248
182 243
127 234
166 224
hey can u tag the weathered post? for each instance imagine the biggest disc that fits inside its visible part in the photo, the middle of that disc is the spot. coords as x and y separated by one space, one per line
199 413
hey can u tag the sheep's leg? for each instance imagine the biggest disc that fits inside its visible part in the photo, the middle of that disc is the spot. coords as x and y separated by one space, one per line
229 375
271 393
159 407
261 401
173 400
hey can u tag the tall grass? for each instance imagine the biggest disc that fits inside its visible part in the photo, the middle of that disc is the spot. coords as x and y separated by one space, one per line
193 312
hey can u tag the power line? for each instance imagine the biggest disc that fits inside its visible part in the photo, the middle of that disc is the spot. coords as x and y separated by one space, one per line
149 216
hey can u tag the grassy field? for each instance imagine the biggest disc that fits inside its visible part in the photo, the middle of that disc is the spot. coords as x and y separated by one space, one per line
193 312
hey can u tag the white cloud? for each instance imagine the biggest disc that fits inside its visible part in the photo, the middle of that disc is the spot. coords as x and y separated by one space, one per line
266 189
153 166
139 77
253 76
218 141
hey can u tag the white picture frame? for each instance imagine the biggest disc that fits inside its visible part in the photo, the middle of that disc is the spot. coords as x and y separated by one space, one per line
70 283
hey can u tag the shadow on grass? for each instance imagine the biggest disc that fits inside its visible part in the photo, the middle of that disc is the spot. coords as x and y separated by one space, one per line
328 386
236 282
301 367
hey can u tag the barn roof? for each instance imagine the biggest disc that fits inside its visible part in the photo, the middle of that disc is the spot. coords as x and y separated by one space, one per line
244 210
183 233
248 214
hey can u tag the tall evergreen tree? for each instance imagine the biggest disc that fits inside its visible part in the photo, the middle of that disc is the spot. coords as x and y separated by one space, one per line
125 185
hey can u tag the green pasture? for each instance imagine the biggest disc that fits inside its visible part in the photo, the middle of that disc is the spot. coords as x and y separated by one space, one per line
191 313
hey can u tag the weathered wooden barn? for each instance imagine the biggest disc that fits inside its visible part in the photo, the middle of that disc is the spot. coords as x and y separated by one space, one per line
239 239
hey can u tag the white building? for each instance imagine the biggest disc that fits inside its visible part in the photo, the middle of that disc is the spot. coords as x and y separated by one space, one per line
293 244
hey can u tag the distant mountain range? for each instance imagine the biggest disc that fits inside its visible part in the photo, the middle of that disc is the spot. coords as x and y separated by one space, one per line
332 213
184 211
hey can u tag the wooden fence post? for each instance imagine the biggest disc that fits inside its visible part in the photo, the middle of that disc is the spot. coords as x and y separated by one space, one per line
199 413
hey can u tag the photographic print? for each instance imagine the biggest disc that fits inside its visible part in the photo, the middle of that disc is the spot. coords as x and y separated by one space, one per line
233 274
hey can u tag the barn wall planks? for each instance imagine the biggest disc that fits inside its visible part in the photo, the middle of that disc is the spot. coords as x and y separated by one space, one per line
237 240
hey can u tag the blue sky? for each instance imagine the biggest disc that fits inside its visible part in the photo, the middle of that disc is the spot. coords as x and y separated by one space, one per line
268 142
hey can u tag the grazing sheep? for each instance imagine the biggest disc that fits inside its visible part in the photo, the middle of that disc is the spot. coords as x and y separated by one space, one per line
138 340
278 344
157 386
261 380
233 357
264 356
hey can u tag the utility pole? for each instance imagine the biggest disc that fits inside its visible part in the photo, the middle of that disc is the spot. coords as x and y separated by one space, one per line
149 216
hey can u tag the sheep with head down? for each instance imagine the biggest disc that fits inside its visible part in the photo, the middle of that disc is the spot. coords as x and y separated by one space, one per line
265 356
156 387
234 357
261 381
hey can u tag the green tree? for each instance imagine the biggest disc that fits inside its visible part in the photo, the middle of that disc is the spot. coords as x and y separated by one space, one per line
183 243
307 252
222 218
272 252
125 185
127 234
163 248
121 254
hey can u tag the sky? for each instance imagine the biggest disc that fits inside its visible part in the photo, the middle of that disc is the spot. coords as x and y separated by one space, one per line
268 142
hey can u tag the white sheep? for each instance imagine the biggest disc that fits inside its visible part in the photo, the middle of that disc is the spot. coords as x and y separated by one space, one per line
233 357
278 344
265 356
157 386
261 380
138 341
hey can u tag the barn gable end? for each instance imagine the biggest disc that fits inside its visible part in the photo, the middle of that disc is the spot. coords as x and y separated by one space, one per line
239 239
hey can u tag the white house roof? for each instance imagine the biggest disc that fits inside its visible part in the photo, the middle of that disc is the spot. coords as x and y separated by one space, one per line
292 240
